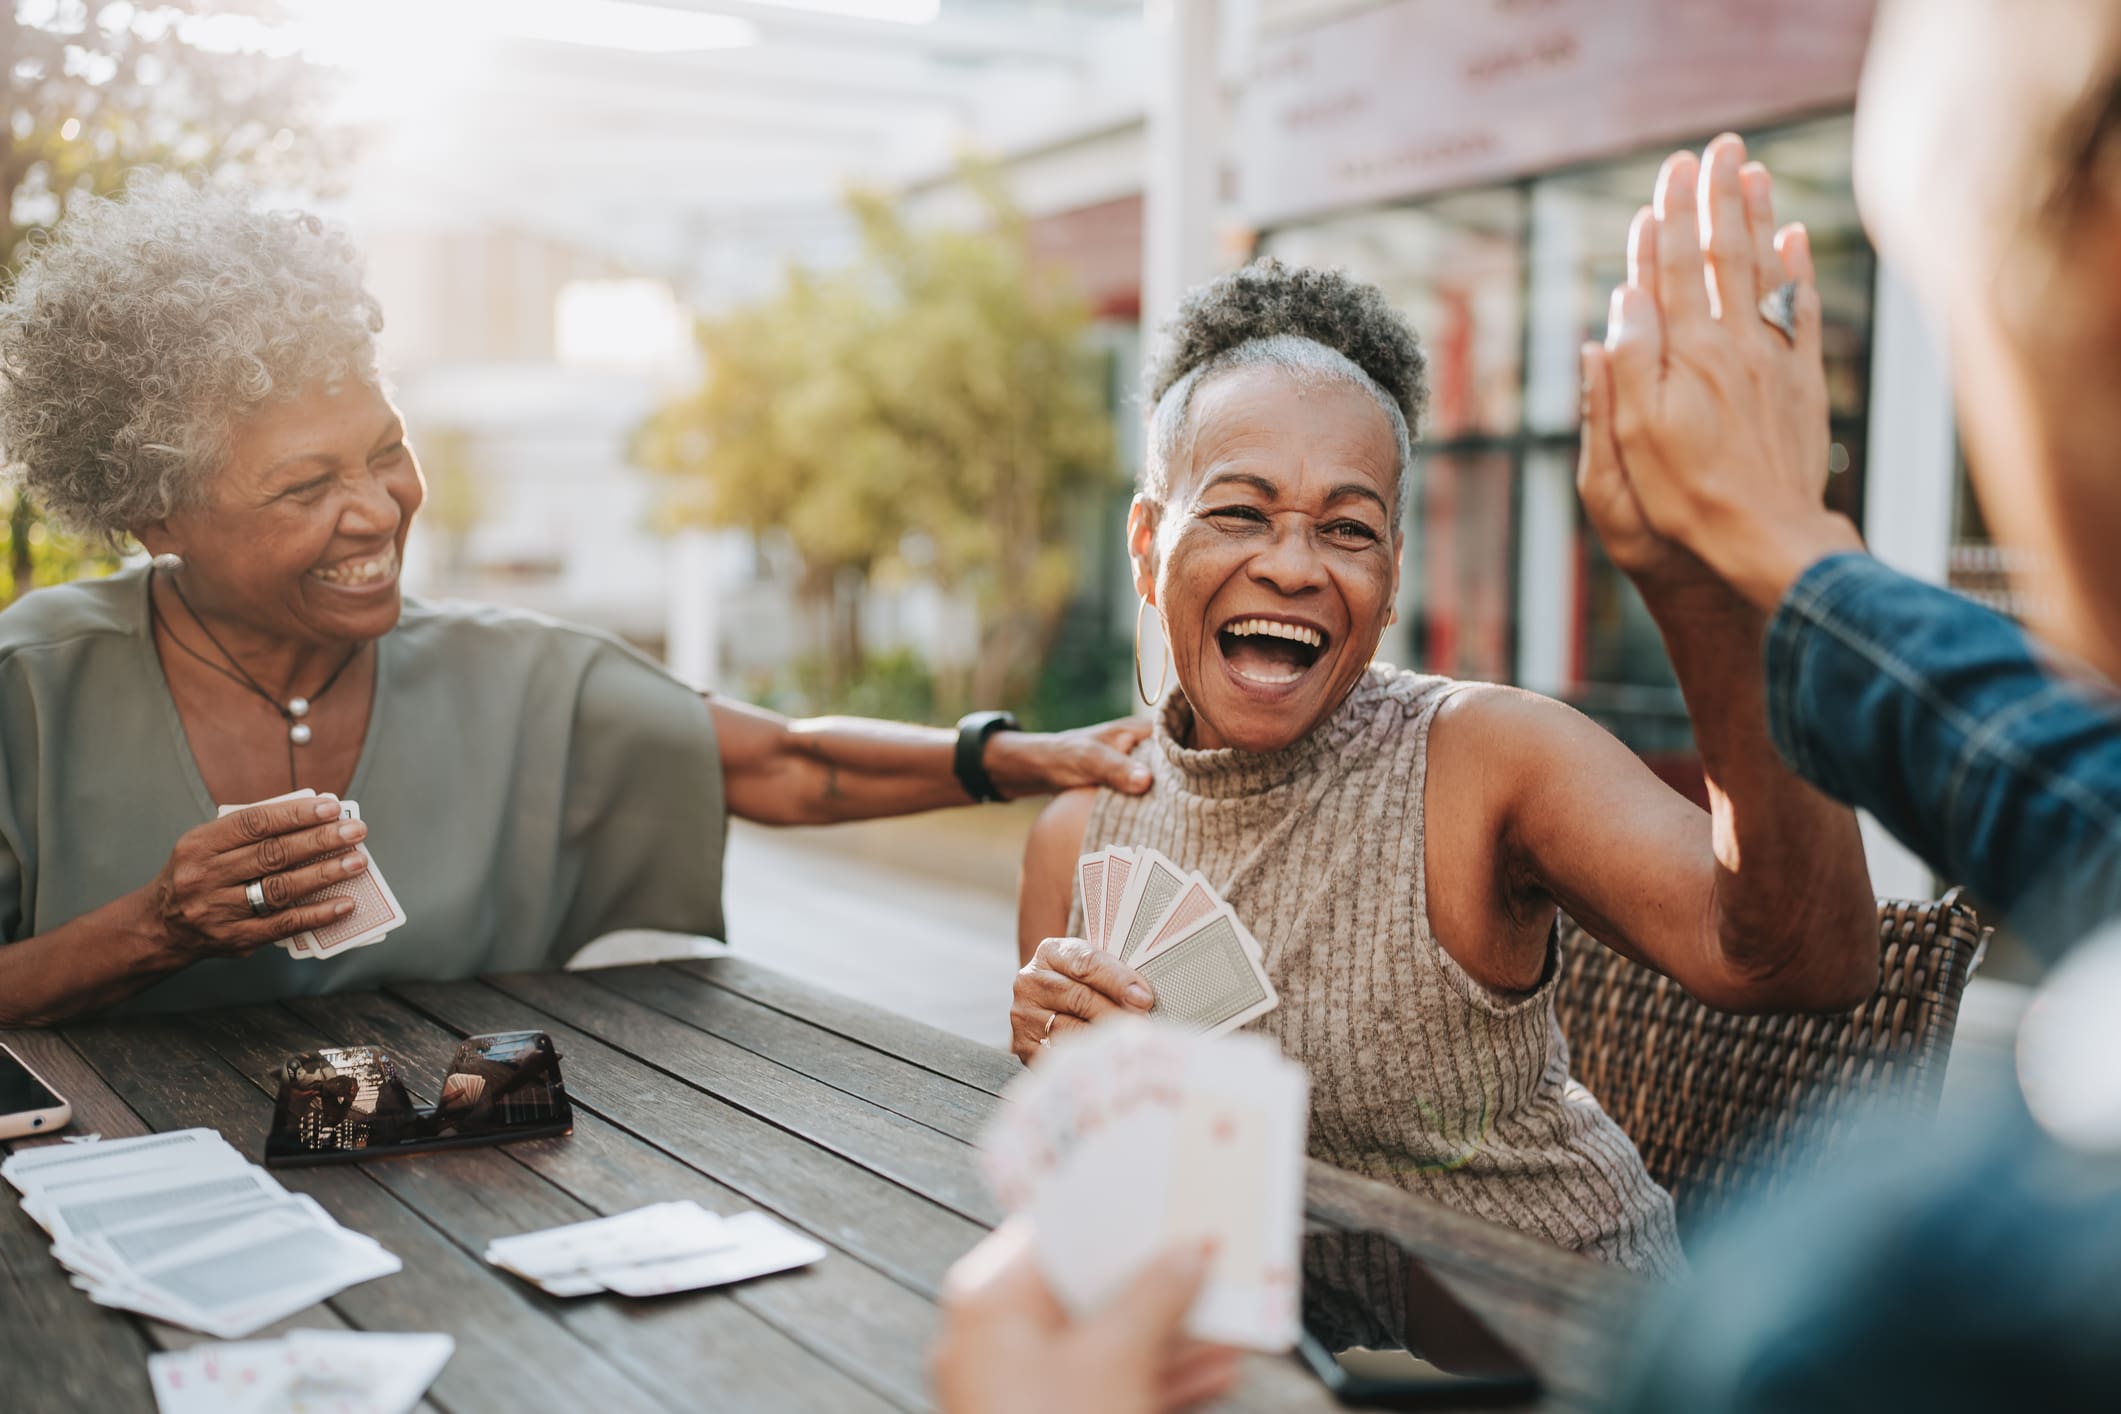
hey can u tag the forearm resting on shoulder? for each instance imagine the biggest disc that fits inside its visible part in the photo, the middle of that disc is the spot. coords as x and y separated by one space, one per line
95 961
829 769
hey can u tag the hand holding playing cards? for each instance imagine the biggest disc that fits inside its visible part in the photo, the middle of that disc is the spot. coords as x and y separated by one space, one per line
197 903
1007 1343
1066 985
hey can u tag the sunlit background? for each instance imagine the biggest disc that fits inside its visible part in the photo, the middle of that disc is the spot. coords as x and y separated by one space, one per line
581 217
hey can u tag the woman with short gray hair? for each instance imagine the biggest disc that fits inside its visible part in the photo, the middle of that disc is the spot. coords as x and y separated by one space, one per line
1400 843
183 369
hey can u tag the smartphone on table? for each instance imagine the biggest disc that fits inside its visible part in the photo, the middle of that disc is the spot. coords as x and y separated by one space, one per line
1381 1332
27 1104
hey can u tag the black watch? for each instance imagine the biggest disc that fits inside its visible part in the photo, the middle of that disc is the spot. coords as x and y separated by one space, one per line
971 764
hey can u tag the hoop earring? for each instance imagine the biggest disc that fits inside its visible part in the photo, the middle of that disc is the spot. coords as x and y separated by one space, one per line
1140 606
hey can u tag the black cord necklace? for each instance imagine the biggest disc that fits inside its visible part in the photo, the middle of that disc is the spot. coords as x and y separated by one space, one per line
291 711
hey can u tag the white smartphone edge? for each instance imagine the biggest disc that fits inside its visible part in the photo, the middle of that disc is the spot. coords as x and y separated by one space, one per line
24 1124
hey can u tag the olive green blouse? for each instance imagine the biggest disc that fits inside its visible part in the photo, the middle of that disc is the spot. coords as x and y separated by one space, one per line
528 786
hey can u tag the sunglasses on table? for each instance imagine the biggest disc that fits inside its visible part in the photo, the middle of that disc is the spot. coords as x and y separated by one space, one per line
345 1104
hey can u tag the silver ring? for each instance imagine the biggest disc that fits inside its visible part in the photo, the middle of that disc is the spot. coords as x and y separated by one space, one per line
255 892
1051 1017
1779 309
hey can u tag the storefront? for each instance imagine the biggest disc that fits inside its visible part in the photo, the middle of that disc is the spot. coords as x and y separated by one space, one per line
1481 162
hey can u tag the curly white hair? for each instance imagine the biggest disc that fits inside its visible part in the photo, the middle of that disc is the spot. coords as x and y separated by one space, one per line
143 328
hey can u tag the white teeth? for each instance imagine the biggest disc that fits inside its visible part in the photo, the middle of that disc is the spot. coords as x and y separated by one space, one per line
1266 679
1274 628
361 572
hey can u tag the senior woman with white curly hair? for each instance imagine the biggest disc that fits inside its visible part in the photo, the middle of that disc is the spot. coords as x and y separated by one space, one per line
183 369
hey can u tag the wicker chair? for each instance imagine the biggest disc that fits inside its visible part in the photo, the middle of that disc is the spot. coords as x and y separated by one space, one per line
1726 1108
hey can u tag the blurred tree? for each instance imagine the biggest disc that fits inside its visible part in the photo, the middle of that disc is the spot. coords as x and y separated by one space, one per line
934 410
96 88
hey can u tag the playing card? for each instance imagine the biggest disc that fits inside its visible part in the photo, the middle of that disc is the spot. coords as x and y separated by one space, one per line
1153 886
1208 978
251 1273
659 1232
111 1254
1090 871
98 1208
758 1246
304 1372
376 911
1200 1137
219 1377
1195 902
1119 866
55 1166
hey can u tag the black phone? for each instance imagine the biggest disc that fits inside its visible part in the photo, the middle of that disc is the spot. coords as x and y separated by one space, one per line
1381 1332
348 1103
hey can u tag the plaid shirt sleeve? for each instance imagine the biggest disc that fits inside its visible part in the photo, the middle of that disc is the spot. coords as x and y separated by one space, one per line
1940 718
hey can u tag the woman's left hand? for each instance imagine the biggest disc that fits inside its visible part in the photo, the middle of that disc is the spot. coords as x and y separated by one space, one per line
1069 984
1046 763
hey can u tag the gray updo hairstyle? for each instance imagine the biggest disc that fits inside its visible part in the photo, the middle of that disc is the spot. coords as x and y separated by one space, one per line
143 328
1316 324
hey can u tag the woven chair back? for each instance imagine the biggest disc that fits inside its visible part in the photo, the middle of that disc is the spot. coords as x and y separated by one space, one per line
1727 1109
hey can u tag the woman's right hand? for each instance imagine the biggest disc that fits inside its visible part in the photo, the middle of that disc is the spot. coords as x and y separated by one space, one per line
197 904
1067 984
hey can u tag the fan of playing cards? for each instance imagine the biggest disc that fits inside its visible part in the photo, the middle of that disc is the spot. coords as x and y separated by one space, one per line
375 913
181 1227
1133 1136
1172 927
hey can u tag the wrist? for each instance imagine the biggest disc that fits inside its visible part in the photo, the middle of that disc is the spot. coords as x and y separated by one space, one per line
1764 562
985 760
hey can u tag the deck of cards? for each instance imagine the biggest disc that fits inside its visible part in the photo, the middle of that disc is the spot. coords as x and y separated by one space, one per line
1133 1136
376 913
303 1372
653 1251
1172 927
181 1227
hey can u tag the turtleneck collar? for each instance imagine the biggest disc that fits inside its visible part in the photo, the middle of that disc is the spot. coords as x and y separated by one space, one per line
1229 772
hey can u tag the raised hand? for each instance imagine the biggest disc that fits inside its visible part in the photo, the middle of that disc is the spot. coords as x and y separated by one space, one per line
1705 426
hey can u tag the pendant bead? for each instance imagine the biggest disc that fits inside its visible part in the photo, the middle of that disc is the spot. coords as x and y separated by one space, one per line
299 733
297 706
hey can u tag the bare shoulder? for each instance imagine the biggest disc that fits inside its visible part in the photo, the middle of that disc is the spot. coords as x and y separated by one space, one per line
1056 838
1511 722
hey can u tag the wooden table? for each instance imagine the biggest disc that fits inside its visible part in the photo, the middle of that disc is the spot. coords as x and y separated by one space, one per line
719 1081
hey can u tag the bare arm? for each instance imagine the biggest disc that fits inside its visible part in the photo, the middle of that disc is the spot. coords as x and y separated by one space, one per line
195 908
823 770
1045 891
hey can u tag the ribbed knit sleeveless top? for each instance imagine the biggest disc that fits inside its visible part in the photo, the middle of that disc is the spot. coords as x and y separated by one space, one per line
1421 1076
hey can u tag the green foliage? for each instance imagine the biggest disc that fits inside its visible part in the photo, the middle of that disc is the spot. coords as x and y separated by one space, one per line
97 88
895 686
933 410
53 557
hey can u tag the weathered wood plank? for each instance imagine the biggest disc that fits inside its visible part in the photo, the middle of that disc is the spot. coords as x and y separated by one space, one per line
678 1347
1562 1311
893 1229
929 1163
920 1094
59 1351
841 1310
943 1052
511 1354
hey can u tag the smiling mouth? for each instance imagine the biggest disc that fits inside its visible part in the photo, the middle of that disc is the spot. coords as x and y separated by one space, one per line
1270 652
360 574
